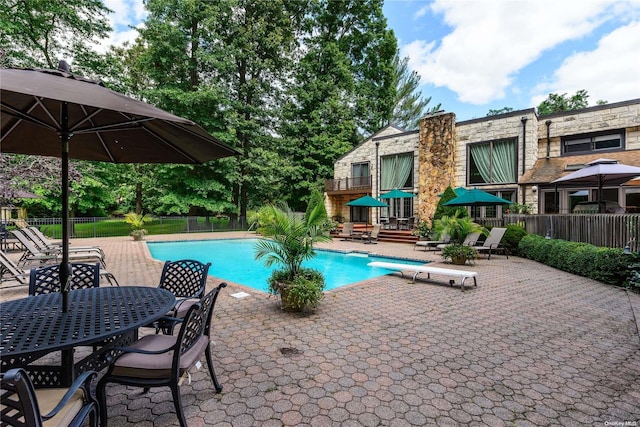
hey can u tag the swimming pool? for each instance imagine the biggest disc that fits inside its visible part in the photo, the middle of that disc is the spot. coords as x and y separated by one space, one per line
233 260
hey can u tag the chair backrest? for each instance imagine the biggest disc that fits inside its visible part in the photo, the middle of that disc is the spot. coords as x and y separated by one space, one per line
185 278
375 231
393 220
471 238
411 222
7 265
46 280
196 323
494 237
27 243
347 228
40 235
18 405
35 239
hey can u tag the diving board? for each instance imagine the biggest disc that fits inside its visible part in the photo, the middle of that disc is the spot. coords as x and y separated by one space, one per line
417 269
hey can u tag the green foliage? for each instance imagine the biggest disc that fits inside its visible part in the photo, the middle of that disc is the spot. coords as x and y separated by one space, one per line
556 103
409 106
457 251
517 208
633 280
442 210
39 33
137 222
503 110
291 237
512 237
607 265
305 290
456 228
422 229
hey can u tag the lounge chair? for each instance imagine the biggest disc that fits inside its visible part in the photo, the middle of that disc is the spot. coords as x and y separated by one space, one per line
33 255
372 238
45 245
493 242
347 231
429 244
10 271
470 240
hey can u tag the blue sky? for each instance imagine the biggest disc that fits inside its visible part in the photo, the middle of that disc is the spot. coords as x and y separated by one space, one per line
477 55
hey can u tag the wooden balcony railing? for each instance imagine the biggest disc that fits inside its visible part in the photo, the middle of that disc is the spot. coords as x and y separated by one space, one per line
346 184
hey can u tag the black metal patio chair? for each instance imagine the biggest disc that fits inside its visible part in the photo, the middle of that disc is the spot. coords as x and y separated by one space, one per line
161 360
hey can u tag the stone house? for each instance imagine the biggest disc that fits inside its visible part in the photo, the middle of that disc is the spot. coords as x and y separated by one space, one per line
515 156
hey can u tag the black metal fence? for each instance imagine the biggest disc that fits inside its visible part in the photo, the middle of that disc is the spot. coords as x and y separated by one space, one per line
107 227
607 230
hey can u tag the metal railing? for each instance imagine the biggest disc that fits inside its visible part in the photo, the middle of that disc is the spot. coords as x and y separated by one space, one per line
107 227
343 184
606 230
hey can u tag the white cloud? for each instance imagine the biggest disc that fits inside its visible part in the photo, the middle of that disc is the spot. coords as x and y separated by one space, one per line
126 13
610 72
492 41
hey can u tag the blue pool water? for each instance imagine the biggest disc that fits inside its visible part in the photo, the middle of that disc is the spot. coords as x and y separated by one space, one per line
233 260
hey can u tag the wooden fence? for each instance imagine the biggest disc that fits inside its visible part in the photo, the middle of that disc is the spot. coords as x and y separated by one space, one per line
607 230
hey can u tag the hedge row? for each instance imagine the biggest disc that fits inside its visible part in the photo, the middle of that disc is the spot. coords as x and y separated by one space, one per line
607 265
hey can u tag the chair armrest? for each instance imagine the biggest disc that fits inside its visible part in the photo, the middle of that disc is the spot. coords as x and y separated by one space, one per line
82 382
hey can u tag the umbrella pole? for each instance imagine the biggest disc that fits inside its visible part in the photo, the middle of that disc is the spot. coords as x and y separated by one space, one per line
65 268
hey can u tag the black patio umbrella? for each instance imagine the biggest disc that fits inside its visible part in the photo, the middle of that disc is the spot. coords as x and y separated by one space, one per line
56 113
600 172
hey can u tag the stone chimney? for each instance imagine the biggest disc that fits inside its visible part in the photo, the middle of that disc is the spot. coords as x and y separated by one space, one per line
436 160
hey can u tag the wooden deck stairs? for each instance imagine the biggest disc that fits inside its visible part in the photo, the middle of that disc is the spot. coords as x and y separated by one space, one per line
397 236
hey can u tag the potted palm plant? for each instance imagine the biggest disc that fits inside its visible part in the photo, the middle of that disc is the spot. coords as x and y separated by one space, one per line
137 222
289 240
458 229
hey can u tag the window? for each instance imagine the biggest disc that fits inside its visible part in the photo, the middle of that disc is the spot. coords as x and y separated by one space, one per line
492 162
360 173
397 171
591 143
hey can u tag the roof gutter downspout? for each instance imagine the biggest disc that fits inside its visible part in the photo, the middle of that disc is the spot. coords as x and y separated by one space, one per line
524 152
548 123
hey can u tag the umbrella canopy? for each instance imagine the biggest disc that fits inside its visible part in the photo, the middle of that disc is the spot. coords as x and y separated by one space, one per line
397 194
56 113
477 197
367 202
600 172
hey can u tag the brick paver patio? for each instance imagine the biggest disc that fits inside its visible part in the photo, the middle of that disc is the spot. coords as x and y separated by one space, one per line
530 345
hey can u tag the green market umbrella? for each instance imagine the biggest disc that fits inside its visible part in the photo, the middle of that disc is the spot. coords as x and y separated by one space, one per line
367 202
397 194
477 197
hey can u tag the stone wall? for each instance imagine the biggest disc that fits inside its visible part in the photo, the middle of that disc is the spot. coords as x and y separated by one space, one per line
623 116
436 161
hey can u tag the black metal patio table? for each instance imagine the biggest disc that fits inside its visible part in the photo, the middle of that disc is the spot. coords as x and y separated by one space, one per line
33 327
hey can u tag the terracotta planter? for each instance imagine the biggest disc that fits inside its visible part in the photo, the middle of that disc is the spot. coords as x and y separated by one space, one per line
460 260
286 302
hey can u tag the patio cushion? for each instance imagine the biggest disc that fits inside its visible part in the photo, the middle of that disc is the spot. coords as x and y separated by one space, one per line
182 307
48 398
157 365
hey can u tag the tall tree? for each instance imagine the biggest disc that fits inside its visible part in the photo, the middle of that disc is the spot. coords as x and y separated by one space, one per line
409 106
342 87
39 33
556 103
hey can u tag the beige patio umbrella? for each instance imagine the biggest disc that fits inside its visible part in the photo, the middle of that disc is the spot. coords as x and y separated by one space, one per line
56 113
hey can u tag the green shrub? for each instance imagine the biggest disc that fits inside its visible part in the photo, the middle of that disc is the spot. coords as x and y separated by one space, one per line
512 237
607 265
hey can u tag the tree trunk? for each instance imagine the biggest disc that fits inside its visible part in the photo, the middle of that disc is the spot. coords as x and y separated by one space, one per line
139 198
